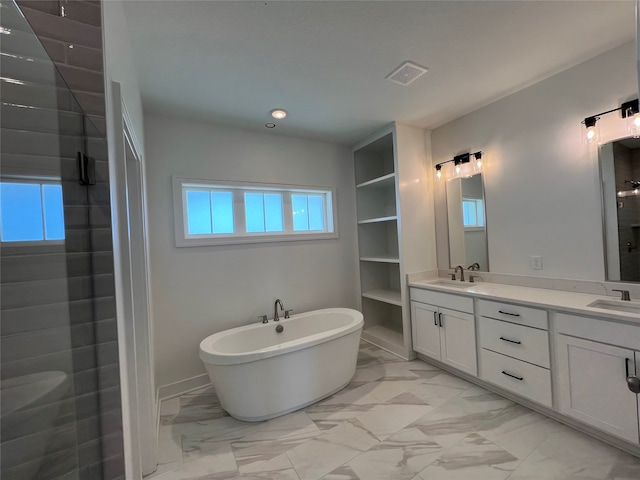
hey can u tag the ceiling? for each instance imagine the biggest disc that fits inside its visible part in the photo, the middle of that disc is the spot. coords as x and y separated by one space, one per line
325 62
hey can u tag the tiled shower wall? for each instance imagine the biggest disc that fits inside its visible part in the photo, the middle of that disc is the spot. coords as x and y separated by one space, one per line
58 304
627 167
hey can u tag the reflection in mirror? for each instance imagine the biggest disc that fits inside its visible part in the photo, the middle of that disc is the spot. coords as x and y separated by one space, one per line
620 176
467 225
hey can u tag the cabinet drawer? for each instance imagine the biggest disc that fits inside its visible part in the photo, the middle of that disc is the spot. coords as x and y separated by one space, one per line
519 377
525 343
446 300
599 329
532 317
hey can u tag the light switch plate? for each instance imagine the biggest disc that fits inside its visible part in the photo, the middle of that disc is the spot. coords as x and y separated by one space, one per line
536 262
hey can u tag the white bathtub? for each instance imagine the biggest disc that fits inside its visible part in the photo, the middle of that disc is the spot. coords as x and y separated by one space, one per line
259 374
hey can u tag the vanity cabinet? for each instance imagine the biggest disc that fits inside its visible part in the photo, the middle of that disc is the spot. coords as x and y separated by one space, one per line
444 329
514 349
390 177
593 360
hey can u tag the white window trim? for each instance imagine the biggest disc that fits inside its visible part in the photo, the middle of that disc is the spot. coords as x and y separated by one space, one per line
180 220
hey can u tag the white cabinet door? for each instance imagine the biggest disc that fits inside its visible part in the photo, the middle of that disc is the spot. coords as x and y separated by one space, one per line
458 340
426 329
592 385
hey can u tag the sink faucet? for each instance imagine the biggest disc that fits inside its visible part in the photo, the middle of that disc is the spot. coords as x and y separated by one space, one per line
276 317
474 266
461 272
624 294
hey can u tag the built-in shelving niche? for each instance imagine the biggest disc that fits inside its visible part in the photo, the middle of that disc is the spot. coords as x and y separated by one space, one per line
383 324
379 240
374 161
381 280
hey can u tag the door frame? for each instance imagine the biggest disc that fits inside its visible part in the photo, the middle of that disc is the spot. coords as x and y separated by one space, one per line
131 274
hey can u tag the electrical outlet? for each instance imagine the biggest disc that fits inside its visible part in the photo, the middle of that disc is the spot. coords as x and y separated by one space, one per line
536 262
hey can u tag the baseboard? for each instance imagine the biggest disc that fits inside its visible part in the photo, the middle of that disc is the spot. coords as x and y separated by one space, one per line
181 387
627 447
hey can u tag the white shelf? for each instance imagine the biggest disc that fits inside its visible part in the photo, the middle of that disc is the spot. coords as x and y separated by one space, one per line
386 181
380 258
386 337
387 296
379 219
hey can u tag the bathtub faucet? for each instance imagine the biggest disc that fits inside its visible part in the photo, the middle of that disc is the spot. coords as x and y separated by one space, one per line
276 317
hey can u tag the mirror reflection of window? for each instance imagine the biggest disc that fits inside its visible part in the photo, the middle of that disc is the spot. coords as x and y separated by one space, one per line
467 222
472 212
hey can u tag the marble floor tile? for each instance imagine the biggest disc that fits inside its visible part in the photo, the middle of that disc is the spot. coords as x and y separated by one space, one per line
474 457
518 430
566 454
625 467
439 389
343 472
385 390
396 420
385 420
449 423
399 457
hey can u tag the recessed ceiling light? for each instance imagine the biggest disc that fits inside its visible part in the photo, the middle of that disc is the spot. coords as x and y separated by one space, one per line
270 125
278 113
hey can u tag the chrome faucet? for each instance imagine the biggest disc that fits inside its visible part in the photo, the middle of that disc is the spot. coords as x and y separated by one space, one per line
461 272
276 317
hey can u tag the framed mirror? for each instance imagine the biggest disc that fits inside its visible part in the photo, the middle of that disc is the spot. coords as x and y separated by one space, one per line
466 217
620 180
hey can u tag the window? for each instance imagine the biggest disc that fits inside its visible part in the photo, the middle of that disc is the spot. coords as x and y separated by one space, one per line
31 211
212 212
472 212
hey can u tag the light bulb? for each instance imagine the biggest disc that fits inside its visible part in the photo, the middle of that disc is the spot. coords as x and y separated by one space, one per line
479 164
633 124
439 174
278 113
592 135
458 169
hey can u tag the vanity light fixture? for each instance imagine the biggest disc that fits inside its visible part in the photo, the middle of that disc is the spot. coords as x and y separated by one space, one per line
635 185
628 110
462 165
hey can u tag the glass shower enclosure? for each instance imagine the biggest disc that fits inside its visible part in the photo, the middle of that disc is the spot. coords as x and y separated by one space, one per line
60 403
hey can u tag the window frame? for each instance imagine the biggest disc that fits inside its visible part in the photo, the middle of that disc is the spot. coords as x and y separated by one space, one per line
479 206
41 181
240 236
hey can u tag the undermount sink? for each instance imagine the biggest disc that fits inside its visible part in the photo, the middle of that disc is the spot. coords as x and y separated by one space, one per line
617 305
452 283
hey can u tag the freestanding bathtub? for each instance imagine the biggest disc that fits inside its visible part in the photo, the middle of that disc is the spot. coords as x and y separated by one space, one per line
259 373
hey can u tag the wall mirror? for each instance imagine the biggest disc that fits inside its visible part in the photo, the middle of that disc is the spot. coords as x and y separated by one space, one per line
620 180
467 223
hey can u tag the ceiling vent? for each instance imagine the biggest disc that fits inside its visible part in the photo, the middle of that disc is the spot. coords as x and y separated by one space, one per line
406 73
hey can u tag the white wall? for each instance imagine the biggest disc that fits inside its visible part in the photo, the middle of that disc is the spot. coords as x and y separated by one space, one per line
118 62
197 291
541 183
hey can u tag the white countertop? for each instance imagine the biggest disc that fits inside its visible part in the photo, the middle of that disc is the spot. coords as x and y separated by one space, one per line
558 300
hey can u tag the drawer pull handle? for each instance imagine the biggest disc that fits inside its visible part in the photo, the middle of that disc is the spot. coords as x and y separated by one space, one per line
435 318
507 313
511 341
440 319
512 376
